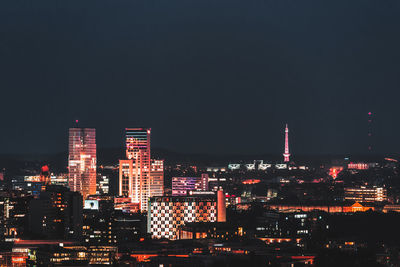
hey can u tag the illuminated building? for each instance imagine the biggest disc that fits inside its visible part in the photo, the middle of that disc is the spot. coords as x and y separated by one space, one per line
102 184
56 213
125 204
129 227
334 171
98 225
286 154
30 184
60 179
82 161
140 177
167 213
14 259
391 208
102 255
215 183
251 181
221 206
232 200
358 166
75 255
104 225
221 231
181 186
156 178
62 255
356 207
216 169
293 226
14 208
365 194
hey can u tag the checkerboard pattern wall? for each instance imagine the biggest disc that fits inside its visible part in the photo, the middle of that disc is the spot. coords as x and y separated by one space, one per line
167 214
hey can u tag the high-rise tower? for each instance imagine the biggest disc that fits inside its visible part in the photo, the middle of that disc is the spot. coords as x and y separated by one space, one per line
82 161
286 154
140 177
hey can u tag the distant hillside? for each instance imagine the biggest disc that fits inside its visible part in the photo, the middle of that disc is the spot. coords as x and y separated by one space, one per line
110 156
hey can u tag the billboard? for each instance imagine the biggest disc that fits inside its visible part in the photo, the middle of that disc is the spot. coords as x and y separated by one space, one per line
91 205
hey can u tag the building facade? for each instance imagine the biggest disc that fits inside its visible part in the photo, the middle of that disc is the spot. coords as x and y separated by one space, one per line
140 177
168 213
82 161
181 186
56 213
365 194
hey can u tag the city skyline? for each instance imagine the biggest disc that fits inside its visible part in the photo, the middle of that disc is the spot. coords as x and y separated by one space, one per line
200 133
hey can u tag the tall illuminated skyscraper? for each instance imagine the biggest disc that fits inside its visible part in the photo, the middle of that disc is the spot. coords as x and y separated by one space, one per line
140 177
82 161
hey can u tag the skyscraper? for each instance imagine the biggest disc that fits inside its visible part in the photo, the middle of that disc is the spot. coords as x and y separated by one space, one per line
286 154
82 161
140 177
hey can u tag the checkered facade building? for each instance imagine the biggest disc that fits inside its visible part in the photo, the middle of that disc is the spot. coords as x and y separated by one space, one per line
167 214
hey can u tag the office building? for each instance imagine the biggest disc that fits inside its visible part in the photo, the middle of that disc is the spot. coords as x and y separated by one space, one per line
358 166
140 177
181 186
98 222
59 179
74 255
156 178
14 207
168 213
56 213
82 161
365 194
102 185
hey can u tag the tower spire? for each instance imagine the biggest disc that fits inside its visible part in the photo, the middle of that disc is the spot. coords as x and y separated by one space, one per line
286 154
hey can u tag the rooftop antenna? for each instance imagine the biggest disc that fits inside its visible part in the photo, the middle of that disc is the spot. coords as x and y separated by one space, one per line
369 131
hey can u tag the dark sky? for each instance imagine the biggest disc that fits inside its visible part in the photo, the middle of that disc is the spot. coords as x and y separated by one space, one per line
216 76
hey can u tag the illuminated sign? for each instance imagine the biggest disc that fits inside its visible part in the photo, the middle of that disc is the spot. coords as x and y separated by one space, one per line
264 166
251 166
91 205
18 259
281 166
234 166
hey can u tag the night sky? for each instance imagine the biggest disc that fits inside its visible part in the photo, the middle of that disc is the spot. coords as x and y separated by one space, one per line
208 76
